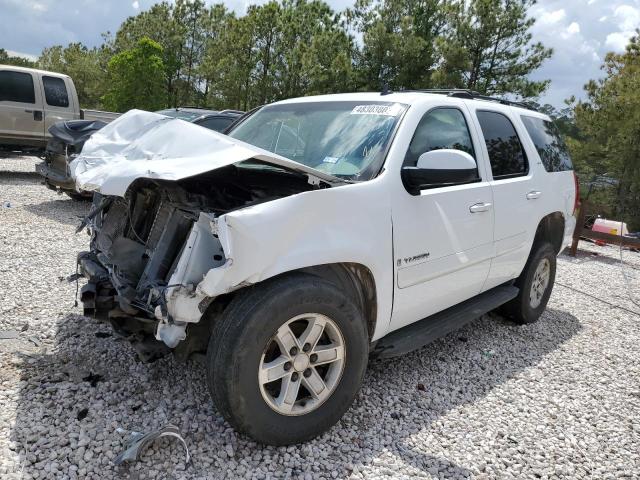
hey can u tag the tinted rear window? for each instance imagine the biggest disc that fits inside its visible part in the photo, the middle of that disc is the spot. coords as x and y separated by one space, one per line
216 123
55 92
16 87
506 154
549 144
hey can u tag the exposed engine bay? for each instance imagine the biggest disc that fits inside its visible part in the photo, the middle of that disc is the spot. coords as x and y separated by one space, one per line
161 236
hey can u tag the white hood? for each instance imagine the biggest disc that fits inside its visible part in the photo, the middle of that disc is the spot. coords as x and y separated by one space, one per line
142 144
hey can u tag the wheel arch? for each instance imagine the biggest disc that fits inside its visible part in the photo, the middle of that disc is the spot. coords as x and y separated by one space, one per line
354 279
357 281
551 229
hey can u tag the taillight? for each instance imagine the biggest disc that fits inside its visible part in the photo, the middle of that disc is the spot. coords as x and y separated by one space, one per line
576 202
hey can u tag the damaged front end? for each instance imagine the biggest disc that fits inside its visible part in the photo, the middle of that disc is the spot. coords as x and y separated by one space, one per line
171 209
152 248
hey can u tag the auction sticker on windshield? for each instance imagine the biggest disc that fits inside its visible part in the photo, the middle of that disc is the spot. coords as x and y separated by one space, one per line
389 110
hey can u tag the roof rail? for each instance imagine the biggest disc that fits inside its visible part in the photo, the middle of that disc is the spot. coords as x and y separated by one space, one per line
229 110
195 108
473 95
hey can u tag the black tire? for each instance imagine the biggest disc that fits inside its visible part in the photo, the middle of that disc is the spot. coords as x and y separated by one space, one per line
520 309
240 337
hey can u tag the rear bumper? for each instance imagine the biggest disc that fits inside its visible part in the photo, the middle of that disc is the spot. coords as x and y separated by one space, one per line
55 179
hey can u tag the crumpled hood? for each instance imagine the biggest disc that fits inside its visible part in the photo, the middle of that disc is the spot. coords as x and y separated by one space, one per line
142 144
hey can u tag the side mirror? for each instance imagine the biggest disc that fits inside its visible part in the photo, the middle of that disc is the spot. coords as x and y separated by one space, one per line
440 168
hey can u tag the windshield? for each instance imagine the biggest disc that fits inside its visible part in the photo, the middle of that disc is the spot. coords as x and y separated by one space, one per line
181 114
345 139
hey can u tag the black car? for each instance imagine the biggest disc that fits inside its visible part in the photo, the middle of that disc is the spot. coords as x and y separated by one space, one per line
211 119
68 137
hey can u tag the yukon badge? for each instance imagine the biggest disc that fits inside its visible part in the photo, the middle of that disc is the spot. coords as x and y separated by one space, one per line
416 259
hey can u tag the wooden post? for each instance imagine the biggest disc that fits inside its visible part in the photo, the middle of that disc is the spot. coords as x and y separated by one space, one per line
582 214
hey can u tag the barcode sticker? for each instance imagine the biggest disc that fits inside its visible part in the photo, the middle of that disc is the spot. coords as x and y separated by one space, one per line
389 110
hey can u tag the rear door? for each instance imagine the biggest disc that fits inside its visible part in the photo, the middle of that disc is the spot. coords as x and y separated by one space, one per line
442 246
58 100
21 117
515 193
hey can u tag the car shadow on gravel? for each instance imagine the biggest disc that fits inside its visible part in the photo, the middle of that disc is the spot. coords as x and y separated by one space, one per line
588 256
78 403
65 210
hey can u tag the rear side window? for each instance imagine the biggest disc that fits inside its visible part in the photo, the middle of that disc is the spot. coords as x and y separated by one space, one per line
216 123
552 150
16 87
506 154
55 92
439 128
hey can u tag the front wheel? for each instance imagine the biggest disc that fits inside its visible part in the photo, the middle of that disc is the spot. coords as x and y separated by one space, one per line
286 359
535 284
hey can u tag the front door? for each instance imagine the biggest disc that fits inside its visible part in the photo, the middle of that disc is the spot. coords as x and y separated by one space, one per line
443 238
21 116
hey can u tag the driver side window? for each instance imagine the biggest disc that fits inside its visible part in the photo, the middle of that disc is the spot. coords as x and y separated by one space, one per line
439 128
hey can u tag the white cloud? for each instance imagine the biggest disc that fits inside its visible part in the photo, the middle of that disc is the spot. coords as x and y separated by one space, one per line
28 56
37 6
573 28
550 18
628 17
627 20
136 4
618 41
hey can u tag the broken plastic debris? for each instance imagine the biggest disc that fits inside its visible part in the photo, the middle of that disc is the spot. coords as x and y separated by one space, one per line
139 442
9 334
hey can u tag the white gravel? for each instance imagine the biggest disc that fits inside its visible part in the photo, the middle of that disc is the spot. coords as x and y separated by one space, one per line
557 399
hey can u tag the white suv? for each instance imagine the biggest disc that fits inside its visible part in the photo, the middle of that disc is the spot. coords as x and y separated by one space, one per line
320 232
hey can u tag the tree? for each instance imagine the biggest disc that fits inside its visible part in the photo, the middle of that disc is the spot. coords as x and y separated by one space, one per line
398 39
136 78
487 47
6 59
160 25
609 122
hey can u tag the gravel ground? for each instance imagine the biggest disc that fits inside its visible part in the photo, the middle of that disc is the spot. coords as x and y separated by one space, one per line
557 399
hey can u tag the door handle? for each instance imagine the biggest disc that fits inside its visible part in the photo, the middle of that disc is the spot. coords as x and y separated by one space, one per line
533 194
28 111
479 207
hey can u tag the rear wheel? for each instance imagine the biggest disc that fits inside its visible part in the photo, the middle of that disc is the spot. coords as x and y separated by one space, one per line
286 359
535 284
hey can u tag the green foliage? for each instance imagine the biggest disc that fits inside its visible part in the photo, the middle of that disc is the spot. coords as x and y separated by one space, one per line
6 59
287 48
487 47
136 78
398 42
609 125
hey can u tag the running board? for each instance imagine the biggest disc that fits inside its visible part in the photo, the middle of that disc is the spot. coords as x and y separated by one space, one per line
419 334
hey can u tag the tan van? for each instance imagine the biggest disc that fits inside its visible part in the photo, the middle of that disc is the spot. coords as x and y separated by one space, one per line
33 100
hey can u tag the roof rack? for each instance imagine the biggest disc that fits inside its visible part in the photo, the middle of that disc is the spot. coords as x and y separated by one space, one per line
193 107
473 95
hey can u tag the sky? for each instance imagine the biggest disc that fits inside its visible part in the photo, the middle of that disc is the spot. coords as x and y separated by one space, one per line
580 32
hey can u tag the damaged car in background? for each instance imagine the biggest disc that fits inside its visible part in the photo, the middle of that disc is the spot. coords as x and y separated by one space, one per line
321 231
67 138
